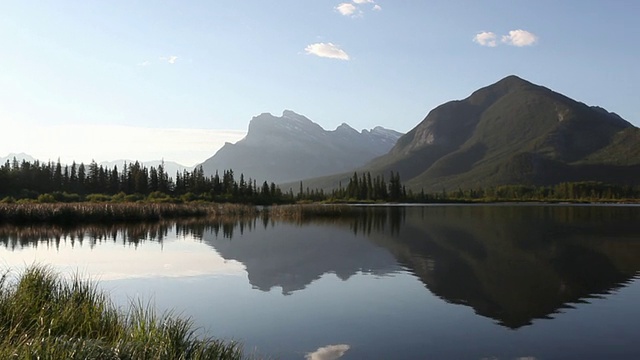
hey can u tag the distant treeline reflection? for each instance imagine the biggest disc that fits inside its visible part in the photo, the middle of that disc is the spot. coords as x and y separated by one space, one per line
361 220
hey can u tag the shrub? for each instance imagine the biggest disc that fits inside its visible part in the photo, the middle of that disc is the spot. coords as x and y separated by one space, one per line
98 198
133 197
66 197
8 200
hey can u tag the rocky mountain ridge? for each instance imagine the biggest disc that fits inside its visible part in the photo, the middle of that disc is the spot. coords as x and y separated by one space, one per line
292 147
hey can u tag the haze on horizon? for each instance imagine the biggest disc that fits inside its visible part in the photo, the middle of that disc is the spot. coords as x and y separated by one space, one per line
171 80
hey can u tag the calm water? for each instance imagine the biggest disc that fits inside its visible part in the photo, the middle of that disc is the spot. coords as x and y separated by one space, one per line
437 282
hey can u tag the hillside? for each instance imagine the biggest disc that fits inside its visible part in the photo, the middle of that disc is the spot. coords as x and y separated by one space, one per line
292 147
511 132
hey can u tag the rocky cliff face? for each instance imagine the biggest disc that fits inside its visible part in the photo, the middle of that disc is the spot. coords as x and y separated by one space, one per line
292 147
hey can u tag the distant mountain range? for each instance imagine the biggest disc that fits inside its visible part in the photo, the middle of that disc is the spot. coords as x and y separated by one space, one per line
292 147
18 157
511 132
170 167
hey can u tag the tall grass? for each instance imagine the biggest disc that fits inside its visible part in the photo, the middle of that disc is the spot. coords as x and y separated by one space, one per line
72 213
43 316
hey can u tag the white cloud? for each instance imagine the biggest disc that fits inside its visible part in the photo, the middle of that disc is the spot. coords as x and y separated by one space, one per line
486 38
346 9
520 38
353 8
145 63
169 59
329 352
327 50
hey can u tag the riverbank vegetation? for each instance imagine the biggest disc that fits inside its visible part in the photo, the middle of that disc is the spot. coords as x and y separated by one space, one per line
43 316
86 212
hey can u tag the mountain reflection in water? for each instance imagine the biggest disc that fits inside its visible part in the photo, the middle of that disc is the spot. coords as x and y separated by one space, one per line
510 263
518 263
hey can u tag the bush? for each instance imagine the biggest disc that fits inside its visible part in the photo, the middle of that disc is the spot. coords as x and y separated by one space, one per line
46 198
189 197
98 198
133 197
66 197
119 197
160 197
8 200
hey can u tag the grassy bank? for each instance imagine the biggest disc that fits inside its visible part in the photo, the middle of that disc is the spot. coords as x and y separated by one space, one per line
73 213
43 316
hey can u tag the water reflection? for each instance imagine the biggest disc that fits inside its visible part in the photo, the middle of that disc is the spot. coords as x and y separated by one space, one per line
329 352
129 251
516 264
17 237
293 255
512 264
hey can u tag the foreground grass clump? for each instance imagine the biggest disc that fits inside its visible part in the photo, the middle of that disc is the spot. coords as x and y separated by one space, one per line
72 213
43 316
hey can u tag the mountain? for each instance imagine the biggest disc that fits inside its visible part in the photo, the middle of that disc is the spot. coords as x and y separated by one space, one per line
170 167
19 157
511 132
292 147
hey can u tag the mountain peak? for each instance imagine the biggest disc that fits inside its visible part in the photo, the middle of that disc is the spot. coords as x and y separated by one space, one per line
512 131
291 115
491 93
344 127
289 121
513 80
292 147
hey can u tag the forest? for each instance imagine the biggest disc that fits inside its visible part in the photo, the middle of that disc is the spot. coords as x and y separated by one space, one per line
53 182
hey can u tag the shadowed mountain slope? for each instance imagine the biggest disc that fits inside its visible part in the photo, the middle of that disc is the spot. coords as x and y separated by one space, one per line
511 132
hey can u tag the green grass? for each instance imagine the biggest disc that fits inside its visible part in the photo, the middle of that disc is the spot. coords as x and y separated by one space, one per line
43 316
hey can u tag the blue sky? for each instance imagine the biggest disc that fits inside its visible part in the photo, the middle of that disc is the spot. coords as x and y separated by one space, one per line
175 73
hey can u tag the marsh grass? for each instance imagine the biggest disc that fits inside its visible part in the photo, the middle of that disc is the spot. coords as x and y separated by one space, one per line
43 316
73 213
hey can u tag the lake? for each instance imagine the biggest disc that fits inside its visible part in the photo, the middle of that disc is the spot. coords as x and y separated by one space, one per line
401 282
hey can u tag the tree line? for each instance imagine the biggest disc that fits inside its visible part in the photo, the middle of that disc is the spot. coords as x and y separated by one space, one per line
76 182
48 182
365 187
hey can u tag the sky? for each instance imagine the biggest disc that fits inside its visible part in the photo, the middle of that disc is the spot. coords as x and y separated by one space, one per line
153 79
